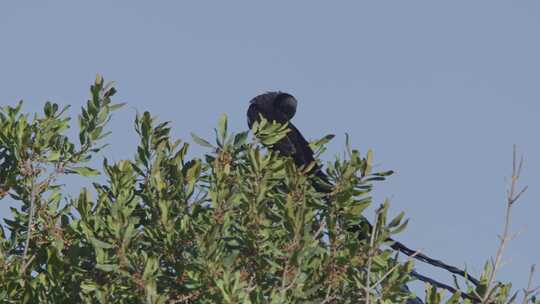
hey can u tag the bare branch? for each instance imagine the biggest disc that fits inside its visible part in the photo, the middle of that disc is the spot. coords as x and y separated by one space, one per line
505 237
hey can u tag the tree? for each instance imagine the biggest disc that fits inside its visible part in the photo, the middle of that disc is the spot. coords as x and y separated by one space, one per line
239 225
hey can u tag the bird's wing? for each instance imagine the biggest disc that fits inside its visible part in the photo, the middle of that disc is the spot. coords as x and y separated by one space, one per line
303 155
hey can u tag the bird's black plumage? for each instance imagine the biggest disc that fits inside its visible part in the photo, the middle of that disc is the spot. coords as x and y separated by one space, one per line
281 107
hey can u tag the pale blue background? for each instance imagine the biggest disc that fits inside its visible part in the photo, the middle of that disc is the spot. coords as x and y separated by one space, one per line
439 90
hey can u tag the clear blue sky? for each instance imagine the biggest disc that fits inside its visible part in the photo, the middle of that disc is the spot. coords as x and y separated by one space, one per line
440 90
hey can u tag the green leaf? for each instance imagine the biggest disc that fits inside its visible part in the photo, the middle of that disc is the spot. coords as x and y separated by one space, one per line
401 227
397 220
116 106
369 163
222 127
88 286
99 79
385 173
201 141
321 142
240 139
359 207
107 267
84 171
53 156
100 244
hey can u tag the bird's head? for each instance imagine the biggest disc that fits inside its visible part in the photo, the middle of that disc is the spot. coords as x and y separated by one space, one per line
274 106
286 104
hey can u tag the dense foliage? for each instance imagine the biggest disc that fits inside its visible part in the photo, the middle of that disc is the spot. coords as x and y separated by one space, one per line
239 225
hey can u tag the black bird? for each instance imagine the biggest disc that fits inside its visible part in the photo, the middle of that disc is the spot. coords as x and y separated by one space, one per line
281 107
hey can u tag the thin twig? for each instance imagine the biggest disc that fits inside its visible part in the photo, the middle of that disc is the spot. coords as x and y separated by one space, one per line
33 194
367 288
511 198
320 230
529 291
25 266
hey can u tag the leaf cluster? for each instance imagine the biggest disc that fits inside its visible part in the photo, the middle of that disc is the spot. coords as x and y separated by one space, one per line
240 224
